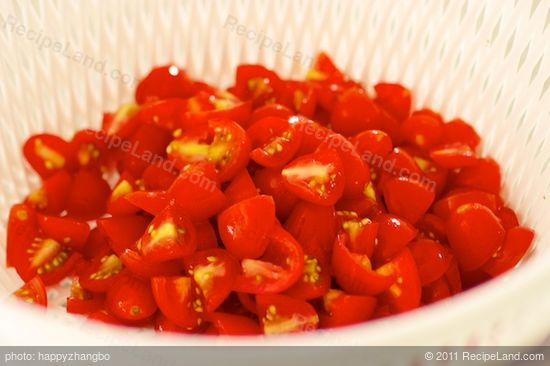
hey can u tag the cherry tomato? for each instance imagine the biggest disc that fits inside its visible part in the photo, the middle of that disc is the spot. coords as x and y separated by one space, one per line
33 292
89 149
81 301
270 110
99 274
130 299
51 198
167 113
432 259
354 272
164 82
206 235
281 314
256 83
372 144
117 204
170 235
235 325
342 309
407 198
422 130
270 181
458 131
393 235
244 226
317 178
47 154
484 176
159 177
142 268
447 205
274 141
213 272
516 243
122 232
150 202
454 156
222 142
277 270
88 196
362 232
72 233
507 217
354 112
177 300
475 234
241 187
394 98
22 229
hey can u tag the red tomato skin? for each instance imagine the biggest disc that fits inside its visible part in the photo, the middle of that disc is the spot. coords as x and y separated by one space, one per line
175 297
88 196
47 154
241 187
152 202
270 181
407 198
508 217
454 156
352 276
341 309
475 234
394 98
22 228
51 198
70 232
206 235
516 243
484 176
372 143
458 131
122 232
130 299
435 291
233 325
159 177
33 292
139 267
244 226
164 82
393 235
448 204
354 112
270 110
422 131
432 259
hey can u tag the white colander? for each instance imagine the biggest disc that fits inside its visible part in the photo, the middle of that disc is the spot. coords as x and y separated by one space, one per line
64 62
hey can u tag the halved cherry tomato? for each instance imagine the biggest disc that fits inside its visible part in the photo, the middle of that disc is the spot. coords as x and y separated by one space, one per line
142 268
122 123
51 198
435 291
342 309
314 227
33 292
164 82
277 270
313 134
362 233
405 293
99 274
166 113
458 131
281 314
447 205
222 142
354 112
475 234
317 178
47 154
213 272
507 217
432 227
255 83
372 144
315 280
206 235
196 191
89 149
81 301
454 156
163 324
516 243
72 233
407 198
270 110
354 272
270 181
122 232
274 141
97 245
299 95
130 299
244 227
324 69
159 177
484 176
235 325
88 196
117 204
240 188
177 300
422 130
432 259
21 231
169 236
393 235
150 202
394 98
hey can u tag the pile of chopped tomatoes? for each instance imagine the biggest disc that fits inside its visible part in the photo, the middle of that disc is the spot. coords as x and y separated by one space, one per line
275 206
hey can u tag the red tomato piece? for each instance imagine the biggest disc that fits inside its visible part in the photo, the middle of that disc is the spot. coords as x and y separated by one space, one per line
458 131
393 235
81 301
97 245
317 178
270 181
407 198
234 325
313 134
354 272
449 204
277 270
226 106
47 154
299 95
394 98
256 83
372 144
435 291
159 177
51 198
507 217
222 142
89 149
196 191
432 259
475 234
167 113
354 112
164 82
244 226
33 292
163 324
170 235
130 299
314 227
484 176
432 227
72 233
325 69
516 243
206 235
21 231
281 314
241 187
99 274
142 268
270 110
361 232
274 141
150 202
122 232
342 309
213 272
422 130
177 300
121 124
405 293
454 156
88 196
117 204
315 280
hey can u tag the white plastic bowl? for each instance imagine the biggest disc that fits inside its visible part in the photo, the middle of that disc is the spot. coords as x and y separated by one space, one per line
63 63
